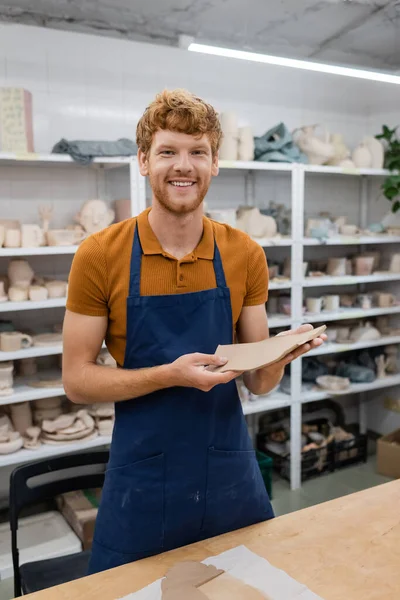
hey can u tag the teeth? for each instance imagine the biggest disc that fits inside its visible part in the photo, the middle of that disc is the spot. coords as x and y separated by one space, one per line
182 183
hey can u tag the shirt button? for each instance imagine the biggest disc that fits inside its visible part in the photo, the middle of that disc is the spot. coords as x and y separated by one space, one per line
180 277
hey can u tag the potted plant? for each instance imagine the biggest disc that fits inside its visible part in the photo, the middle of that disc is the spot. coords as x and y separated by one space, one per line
391 185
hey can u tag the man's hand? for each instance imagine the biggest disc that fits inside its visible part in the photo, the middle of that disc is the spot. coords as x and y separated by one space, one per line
191 370
265 379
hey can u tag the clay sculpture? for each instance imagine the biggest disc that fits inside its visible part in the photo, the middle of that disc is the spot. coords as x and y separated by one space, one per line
68 427
245 357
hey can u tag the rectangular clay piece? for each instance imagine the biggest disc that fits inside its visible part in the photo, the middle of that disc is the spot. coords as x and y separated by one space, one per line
245 357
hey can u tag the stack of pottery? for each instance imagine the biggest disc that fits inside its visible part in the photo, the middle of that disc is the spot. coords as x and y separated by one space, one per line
68 428
229 149
103 414
47 408
10 440
20 275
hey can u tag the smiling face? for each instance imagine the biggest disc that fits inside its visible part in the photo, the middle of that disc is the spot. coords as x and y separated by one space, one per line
180 167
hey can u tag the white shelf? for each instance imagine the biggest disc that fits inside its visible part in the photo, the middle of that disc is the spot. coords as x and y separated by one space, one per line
349 279
34 160
353 240
34 352
47 450
255 165
29 305
26 393
355 388
349 313
333 348
275 285
344 171
279 321
260 404
40 251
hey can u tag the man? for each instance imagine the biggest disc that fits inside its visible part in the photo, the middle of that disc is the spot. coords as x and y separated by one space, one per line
164 289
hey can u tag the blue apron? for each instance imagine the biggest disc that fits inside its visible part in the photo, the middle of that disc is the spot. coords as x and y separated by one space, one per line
182 467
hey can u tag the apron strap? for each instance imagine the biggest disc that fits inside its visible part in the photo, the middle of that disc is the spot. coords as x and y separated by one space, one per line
218 268
136 265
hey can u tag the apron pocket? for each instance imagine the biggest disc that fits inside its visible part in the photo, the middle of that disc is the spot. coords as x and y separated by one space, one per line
130 517
236 495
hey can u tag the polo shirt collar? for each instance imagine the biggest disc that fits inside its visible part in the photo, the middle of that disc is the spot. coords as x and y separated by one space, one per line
151 245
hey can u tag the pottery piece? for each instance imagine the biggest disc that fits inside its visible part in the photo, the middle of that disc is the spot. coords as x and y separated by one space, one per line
6 378
349 229
102 410
285 305
105 426
384 299
64 237
21 416
382 323
58 442
14 443
20 273
362 156
46 382
331 302
376 150
347 300
72 426
229 122
62 422
331 334
395 263
95 216
229 149
392 359
11 341
244 357
333 382
349 266
31 236
336 267
46 339
46 214
246 144
224 215
123 209
364 333
363 265
56 289
380 366
27 366
364 301
37 293
12 238
319 150
3 295
341 150
356 373
314 305
251 221
17 294
31 438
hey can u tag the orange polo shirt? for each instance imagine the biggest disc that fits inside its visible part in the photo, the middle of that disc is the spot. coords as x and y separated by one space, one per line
99 277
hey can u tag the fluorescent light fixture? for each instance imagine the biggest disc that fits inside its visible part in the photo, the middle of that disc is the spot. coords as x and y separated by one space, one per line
295 64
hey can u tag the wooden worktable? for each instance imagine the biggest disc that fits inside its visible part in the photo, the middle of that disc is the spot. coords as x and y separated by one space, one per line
346 549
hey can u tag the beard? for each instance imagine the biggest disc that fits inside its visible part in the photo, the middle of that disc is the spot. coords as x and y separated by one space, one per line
163 192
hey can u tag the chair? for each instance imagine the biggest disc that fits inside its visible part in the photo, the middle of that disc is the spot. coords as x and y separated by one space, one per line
39 575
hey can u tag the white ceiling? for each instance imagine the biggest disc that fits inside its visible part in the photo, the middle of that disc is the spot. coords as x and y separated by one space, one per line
355 32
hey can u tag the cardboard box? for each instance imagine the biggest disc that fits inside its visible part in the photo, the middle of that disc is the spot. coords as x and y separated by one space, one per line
80 511
16 128
388 455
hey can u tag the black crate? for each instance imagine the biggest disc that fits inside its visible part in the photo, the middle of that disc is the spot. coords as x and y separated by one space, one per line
350 452
313 463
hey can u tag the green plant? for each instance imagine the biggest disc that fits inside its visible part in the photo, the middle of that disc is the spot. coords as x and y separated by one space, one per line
391 185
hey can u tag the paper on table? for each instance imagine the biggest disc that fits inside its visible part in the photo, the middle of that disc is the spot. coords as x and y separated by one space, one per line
245 357
250 568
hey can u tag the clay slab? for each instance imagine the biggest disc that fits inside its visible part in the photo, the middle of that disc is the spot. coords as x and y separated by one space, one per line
245 357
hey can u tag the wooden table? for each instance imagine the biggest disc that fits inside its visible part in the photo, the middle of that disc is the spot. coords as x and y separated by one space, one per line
346 549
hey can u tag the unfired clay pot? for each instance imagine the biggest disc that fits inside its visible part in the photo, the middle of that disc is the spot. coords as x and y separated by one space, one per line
255 224
31 236
20 273
38 293
17 294
56 289
363 265
21 416
6 378
3 295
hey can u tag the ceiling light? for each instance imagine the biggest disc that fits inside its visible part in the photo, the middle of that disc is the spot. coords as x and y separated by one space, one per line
296 64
